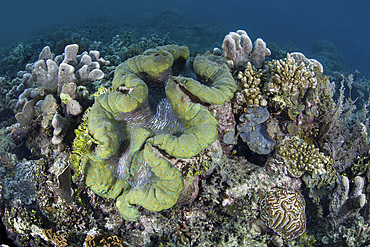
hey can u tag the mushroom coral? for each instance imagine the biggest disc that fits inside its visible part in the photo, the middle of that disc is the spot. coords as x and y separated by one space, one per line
149 111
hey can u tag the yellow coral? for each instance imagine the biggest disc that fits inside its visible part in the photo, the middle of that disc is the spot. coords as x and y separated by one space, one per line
101 240
54 237
251 85
290 77
300 157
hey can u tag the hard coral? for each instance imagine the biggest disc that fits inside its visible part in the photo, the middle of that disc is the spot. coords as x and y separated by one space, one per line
300 157
346 205
54 237
251 83
149 109
283 211
290 76
101 240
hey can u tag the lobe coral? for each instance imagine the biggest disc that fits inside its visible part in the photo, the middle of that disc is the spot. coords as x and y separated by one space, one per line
150 111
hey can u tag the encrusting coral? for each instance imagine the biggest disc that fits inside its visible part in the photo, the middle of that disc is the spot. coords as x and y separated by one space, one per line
149 109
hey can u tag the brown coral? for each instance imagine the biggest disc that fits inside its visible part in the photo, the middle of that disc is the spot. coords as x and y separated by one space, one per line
101 240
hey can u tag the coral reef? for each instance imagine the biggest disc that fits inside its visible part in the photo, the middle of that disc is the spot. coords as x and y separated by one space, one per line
252 84
99 239
164 132
345 205
292 75
51 74
64 188
54 237
356 235
253 131
20 183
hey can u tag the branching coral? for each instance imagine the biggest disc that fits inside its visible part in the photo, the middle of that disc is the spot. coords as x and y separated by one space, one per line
290 77
300 157
149 109
251 83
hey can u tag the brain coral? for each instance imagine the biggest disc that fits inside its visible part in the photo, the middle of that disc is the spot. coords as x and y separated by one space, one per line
283 211
148 112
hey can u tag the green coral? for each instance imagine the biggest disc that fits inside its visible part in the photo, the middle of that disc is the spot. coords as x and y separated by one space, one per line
148 110
300 157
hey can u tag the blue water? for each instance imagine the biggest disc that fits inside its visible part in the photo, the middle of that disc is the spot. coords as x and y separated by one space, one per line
289 23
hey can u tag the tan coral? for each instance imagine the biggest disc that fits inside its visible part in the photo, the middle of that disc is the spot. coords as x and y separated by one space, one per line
101 240
238 48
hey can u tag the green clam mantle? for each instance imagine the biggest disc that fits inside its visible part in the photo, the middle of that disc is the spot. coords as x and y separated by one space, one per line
148 112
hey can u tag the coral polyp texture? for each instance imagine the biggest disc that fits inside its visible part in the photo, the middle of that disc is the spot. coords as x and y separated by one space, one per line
291 76
251 84
300 157
149 112
284 212
174 149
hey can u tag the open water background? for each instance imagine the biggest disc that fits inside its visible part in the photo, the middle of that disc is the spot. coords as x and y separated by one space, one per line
289 23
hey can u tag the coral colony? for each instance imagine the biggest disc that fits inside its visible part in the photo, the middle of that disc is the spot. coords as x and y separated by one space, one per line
143 142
